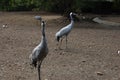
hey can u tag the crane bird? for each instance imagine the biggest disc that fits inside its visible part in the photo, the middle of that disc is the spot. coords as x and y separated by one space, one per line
39 18
40 51
65 31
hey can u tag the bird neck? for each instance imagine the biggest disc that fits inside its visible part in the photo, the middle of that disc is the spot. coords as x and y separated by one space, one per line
43 35
43 31
72 20
72 23
43 38
71 17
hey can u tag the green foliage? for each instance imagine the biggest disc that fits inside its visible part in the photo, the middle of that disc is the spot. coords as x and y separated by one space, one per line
61 6
116 6
100 6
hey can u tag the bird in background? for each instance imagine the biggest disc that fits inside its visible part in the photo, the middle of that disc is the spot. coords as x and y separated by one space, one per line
64 32
38 18
40 51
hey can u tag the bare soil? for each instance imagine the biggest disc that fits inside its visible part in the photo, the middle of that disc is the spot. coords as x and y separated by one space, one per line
92 52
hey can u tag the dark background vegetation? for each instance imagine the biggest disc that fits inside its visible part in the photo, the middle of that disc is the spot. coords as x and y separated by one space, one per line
62 6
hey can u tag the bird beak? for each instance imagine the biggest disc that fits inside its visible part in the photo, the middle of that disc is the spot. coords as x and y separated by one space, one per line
75 14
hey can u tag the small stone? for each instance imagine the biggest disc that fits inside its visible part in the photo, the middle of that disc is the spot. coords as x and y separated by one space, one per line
83 61
23 68
99 73
4 26
118 52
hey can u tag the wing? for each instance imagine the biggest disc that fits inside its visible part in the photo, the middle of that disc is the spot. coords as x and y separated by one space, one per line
65 30
35 53
40 51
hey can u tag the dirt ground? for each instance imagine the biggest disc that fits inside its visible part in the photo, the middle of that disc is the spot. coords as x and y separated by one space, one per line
92 52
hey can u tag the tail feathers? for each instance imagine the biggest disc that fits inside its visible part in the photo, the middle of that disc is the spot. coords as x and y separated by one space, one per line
34 63
58 38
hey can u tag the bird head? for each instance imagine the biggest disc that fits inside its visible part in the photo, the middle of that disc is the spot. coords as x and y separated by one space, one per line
43 23
74 16
38 18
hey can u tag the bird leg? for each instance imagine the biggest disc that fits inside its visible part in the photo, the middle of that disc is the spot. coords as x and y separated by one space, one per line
57 44
66 42
39 66
39 72
60 43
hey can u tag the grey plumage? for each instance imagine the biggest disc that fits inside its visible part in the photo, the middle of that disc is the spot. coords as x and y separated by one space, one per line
65 31
38 17
40 51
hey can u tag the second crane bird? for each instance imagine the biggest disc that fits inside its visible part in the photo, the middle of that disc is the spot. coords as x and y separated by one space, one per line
65 31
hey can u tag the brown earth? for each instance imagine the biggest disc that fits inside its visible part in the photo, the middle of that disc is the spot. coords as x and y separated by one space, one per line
92 52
